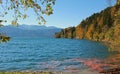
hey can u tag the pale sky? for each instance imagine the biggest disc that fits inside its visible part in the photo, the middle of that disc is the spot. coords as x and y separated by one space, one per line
66 13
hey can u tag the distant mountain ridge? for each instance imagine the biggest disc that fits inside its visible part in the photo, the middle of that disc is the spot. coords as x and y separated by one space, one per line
35 27
29 31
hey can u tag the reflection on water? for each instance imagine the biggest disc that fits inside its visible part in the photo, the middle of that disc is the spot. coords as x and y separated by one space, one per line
102 64
78 64
113 61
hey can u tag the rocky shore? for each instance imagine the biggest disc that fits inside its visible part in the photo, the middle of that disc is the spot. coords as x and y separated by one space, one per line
111 71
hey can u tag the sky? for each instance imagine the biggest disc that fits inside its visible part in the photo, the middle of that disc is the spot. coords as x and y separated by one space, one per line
66 13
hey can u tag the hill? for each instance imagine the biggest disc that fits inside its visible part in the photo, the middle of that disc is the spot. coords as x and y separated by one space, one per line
103 26
29 31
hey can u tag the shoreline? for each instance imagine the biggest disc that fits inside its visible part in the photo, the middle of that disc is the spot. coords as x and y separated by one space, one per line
112 47
42 72
109 71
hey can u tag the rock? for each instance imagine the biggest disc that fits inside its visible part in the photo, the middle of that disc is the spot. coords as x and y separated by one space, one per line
111 71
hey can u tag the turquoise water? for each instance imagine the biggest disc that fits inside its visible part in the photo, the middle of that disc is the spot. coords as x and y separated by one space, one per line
37 54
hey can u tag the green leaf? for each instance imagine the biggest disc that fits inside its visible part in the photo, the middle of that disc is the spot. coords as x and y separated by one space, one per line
39 23
6 13
0 1
24 16
1 21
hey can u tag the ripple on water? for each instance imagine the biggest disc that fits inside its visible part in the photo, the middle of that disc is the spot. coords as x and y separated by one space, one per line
51 54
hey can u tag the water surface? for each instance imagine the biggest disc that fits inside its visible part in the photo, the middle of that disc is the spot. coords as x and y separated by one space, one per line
40 54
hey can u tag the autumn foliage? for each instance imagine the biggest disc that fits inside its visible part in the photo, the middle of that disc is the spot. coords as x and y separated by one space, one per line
103 26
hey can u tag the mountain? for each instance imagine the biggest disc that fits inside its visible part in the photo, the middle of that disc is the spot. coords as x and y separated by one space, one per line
34 27
29 31
102 26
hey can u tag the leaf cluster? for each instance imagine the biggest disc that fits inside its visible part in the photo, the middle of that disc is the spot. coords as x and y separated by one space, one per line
19 7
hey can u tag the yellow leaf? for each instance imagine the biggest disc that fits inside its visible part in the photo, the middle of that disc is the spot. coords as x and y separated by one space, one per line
14 23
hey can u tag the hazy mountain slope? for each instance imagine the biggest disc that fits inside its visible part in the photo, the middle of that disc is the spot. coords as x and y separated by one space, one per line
29 31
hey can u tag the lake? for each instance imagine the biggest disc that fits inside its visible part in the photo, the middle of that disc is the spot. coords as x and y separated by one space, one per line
50 54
